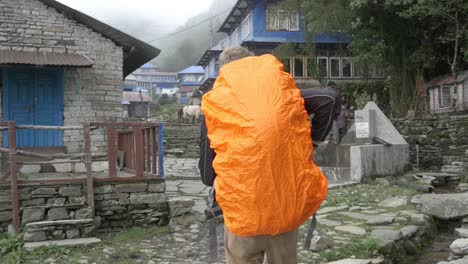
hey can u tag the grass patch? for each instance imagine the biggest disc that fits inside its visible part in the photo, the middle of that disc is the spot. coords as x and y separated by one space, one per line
364 248
11 249
123 247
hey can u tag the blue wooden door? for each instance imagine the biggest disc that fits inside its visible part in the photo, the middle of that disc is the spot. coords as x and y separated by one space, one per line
34 96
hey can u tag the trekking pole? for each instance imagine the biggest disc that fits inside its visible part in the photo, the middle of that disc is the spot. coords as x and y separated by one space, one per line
213 243
310 232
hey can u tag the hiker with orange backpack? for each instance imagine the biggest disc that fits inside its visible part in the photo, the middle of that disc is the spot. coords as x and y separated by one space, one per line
256 150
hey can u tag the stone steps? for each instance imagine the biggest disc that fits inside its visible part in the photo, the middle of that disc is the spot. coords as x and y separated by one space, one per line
64 242
58 230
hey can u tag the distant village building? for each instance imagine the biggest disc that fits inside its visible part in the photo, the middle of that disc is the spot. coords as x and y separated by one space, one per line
190 80
144 76
166 83
262 26
136 104
62 67
447 94
130 83
149 77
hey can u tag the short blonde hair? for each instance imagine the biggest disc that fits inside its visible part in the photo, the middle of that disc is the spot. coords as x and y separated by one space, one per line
233 54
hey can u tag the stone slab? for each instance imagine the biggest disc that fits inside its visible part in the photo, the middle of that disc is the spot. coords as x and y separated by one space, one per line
394 202
330 209
409 231
61 243
351 261
386 234
459 247
60 222
351 229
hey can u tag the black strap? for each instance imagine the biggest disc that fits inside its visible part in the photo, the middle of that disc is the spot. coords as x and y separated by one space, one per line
310 233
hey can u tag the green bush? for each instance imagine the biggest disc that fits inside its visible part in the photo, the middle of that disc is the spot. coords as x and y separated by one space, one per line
359 93
11 249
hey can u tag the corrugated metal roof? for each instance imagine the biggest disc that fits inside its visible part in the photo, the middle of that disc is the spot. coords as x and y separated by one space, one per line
136 52
193 70
446 80
44 58
135 97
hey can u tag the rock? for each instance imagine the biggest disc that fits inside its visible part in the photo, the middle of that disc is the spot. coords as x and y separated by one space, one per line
57 214
409 231
29 169
327 210
461 232
382 181
320 243
459 247
394 202
446 206
382 219
185 220
465 220
70 191
351 229
354 215
35 236
351 261
100 166
59 201
462 187
157 187
70 234
77 200
33 202
151 198
458 261
418 219
63 167
44 191
452 169
180 206
66 242
32 215
5 216
130 187
103 189
58 234
84 213
386 234
328 222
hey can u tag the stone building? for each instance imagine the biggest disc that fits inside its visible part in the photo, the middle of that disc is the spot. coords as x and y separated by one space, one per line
61 67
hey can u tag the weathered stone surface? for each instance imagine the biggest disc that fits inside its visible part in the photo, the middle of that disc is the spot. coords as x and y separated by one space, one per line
58 234
66 242
351 261
382 219
58 201
328 222
151 198
460 247
35 236
59 223
330 209
394 202
351 229
33 202
354 215
458 261
130 187
446 206
100 166
180 206
386 234
462 187
409 231
70 234
44 191
103 189
32 215
157 187
57 214
77 200
70 191
84 213
63 167
5 216
29 169
320 243
382 181
461 232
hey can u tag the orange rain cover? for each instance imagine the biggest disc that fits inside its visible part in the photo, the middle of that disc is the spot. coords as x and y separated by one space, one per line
266 181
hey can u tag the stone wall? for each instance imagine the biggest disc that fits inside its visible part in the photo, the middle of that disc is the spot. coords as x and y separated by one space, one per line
91 94
182 140
118 205
442 139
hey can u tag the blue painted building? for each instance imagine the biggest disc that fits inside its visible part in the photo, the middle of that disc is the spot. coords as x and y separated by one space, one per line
150 78
190 79
263 25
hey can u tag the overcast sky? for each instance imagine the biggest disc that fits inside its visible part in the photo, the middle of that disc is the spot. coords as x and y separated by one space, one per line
146 19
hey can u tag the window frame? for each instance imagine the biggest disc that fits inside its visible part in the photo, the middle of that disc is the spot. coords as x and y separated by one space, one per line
330 65
326 67
304 69
441 96
297 18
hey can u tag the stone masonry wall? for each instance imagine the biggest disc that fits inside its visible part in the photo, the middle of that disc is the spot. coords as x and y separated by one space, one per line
118 205
182 140
442 139
91 94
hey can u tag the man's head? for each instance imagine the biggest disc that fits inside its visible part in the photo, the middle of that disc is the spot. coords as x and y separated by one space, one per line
234 54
